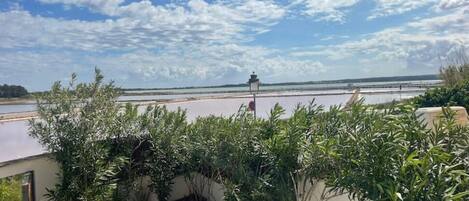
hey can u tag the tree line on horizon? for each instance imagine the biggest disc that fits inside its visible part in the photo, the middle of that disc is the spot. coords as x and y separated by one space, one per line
12 91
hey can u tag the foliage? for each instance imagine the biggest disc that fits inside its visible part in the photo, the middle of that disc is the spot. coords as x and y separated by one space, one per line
228 150
455 92
12 91
76 123
10 188
457 95
456 69
363 151
374 151
166 131
436 168
368 153
454 74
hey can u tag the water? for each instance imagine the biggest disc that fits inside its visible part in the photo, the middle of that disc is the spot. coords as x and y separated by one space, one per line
15 142
226 107
170 96
17 108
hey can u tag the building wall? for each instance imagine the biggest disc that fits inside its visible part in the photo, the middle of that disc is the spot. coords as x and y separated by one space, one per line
45 172
44 169
215 191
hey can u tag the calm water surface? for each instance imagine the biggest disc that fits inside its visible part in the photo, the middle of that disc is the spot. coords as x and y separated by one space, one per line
170 97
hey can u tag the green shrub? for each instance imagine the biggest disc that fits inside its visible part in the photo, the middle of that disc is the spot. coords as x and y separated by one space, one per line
457 95
368 153
166 132
77 124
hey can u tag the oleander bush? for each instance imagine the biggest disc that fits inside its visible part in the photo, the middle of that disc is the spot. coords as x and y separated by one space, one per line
366 153
455 95
76 124
455 91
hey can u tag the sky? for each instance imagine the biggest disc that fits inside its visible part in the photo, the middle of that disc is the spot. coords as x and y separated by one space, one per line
174 43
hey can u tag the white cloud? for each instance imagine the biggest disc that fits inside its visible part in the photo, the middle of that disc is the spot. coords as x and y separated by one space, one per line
141 25
109 7
394 7
326 10
451 4
454 22
197 42
193 41
416 46
213 64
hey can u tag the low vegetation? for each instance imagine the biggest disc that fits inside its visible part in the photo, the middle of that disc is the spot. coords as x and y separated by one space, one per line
457 69
10 188
454 74
454 95
455 91
363 152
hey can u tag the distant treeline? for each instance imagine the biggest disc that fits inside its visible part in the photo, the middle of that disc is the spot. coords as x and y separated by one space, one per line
12 91
357 80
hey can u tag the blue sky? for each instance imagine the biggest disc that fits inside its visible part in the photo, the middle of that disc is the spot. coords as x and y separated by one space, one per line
167 43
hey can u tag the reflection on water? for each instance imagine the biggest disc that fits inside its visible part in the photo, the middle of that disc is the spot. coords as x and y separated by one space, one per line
15 142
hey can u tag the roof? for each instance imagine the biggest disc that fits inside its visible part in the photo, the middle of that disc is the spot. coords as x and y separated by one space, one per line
15 142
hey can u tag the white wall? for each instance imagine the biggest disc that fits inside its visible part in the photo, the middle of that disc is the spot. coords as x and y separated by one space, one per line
183 187
317 192
44 169
431 115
